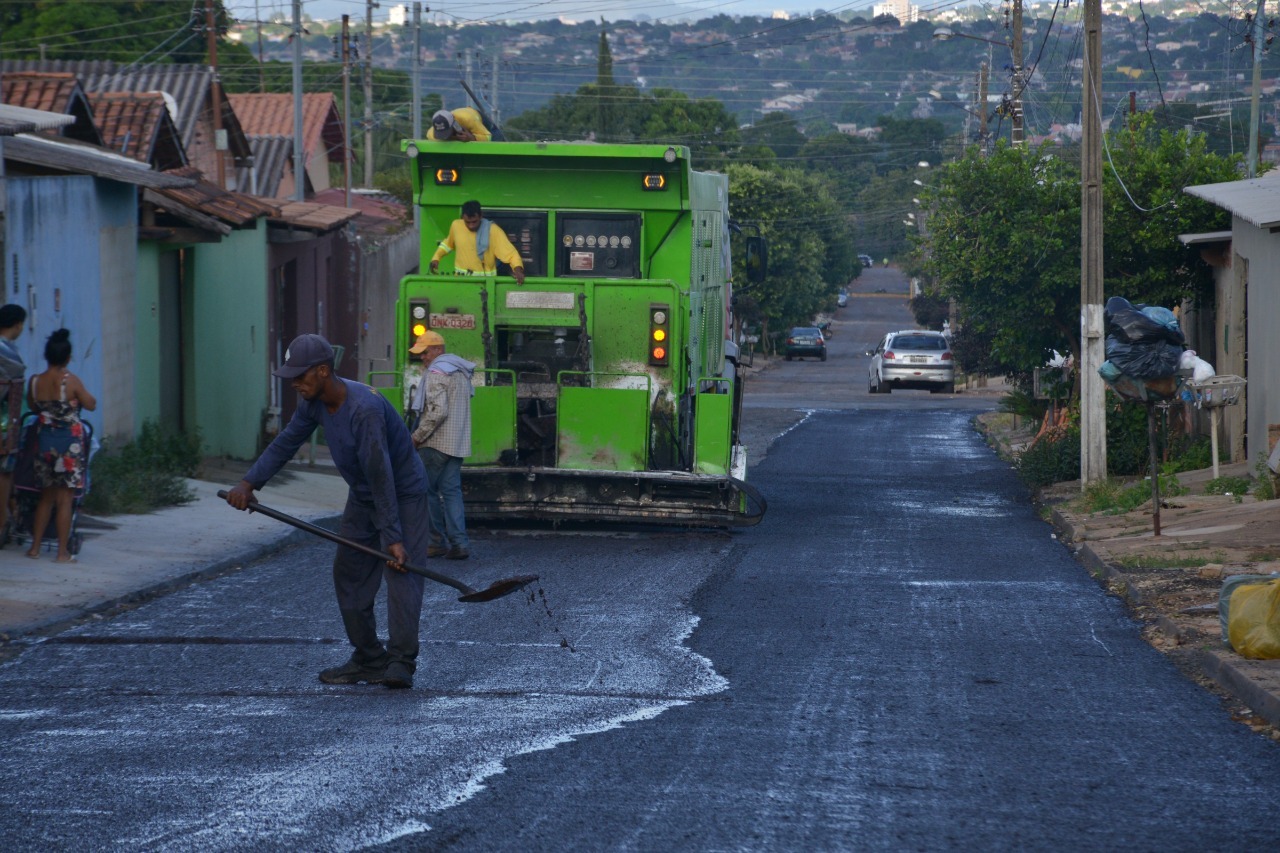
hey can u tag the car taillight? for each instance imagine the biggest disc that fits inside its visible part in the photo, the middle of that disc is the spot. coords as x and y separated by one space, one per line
791 340
888 353
946 356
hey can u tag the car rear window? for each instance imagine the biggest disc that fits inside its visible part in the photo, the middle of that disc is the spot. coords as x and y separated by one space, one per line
801 331
920 342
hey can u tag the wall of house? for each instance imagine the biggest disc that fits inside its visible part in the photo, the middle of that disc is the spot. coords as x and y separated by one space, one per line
224 344
312 292
71 242
1256 264
380 275
146 346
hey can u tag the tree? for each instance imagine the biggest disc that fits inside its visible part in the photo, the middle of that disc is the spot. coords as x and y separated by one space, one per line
163 31
802 223
1004 236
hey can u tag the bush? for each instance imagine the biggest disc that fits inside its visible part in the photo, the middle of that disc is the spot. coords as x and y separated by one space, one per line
1227 486
1050 461
145 474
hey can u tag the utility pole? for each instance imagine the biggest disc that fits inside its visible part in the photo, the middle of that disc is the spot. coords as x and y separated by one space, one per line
466 75
1017 135
1259 43
215 93
346 109
1093 418
417 85
299 158
262 74
982 107
370 5
493 92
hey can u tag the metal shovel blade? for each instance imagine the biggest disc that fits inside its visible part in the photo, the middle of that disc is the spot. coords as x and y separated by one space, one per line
497 589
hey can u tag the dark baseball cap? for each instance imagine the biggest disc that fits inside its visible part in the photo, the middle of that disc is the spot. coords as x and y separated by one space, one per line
304 353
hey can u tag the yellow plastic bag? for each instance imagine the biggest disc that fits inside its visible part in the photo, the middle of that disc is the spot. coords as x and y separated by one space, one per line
1253 620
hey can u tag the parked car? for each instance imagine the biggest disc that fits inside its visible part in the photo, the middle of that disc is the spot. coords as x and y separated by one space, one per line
806 341
842 299
912 358
866 260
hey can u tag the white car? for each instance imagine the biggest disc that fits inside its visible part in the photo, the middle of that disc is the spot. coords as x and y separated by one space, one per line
912 358
842 299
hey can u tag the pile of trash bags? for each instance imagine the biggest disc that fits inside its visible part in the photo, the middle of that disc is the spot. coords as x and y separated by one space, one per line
1144 349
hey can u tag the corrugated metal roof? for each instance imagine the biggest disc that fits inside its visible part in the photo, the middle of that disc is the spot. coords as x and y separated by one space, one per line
78 158
211 200
1205 237
1256 201
138 125
22 120
313 217
271 159
189 85
272 115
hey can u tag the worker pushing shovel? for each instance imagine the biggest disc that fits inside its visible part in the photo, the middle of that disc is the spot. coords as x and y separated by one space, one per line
384 529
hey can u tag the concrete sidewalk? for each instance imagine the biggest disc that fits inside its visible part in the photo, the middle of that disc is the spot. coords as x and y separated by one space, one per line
128 558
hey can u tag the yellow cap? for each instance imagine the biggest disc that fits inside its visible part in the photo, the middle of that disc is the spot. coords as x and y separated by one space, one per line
426 339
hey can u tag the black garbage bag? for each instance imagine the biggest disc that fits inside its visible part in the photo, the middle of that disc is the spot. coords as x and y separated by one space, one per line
1138 324
1150 360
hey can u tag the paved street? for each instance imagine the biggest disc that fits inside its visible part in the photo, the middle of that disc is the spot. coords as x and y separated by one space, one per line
901 656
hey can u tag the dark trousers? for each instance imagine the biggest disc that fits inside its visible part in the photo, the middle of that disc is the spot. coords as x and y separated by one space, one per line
357 577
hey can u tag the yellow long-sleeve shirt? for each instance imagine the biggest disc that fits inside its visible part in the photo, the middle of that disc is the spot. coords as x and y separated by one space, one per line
470 121
462 240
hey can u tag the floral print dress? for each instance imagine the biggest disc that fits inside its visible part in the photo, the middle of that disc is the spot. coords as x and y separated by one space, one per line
60 453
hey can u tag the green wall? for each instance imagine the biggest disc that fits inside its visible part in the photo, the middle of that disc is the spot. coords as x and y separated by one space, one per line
146 345
224 319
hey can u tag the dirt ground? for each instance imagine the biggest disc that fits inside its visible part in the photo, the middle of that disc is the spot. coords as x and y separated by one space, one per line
1171 582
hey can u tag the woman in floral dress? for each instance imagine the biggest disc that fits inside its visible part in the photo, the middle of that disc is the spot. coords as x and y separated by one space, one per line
58 396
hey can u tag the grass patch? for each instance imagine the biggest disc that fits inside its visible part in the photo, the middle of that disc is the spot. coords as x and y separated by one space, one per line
1114 497
1227 486
1266 556
1161 561
145 474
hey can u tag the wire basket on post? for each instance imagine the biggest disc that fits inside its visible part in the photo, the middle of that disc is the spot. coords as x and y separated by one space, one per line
1213 394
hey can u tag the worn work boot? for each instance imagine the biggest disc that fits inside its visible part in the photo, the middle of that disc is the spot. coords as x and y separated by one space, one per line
437 551
395 676
457 552
354 672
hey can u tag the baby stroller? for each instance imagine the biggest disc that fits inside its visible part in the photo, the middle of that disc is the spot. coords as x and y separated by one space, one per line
26 493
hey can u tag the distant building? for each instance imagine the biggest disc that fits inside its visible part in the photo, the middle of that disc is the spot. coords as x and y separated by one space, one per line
900 9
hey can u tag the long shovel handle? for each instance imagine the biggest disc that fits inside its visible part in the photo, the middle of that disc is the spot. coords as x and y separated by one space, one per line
254 506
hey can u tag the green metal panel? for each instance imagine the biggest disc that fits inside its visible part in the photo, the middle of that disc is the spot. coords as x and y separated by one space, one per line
493 420
603 429
711 421
225 353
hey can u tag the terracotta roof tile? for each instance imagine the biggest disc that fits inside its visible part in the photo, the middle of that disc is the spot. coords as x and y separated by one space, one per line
51 92
138 125
207 198
272 115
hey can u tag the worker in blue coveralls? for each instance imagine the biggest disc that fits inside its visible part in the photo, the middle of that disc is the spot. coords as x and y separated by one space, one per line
386 508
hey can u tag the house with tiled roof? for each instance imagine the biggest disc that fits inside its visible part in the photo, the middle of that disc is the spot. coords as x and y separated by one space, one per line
54 93
138 125
269 117
194 99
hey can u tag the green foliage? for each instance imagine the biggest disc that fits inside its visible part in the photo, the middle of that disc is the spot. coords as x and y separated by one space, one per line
1050 461
120 31
1266 488
1004 235
145 474
1021 403
930 310
1113 496
1227 486
796 214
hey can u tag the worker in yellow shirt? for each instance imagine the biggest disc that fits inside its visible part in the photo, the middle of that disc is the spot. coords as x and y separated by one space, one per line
480 244
461 125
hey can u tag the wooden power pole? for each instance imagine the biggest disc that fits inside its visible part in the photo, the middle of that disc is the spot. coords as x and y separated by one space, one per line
1017 135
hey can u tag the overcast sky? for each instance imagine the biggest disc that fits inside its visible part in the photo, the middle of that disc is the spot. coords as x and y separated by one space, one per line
578 10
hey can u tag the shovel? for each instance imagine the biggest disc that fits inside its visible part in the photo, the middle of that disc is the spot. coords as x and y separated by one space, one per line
497 589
